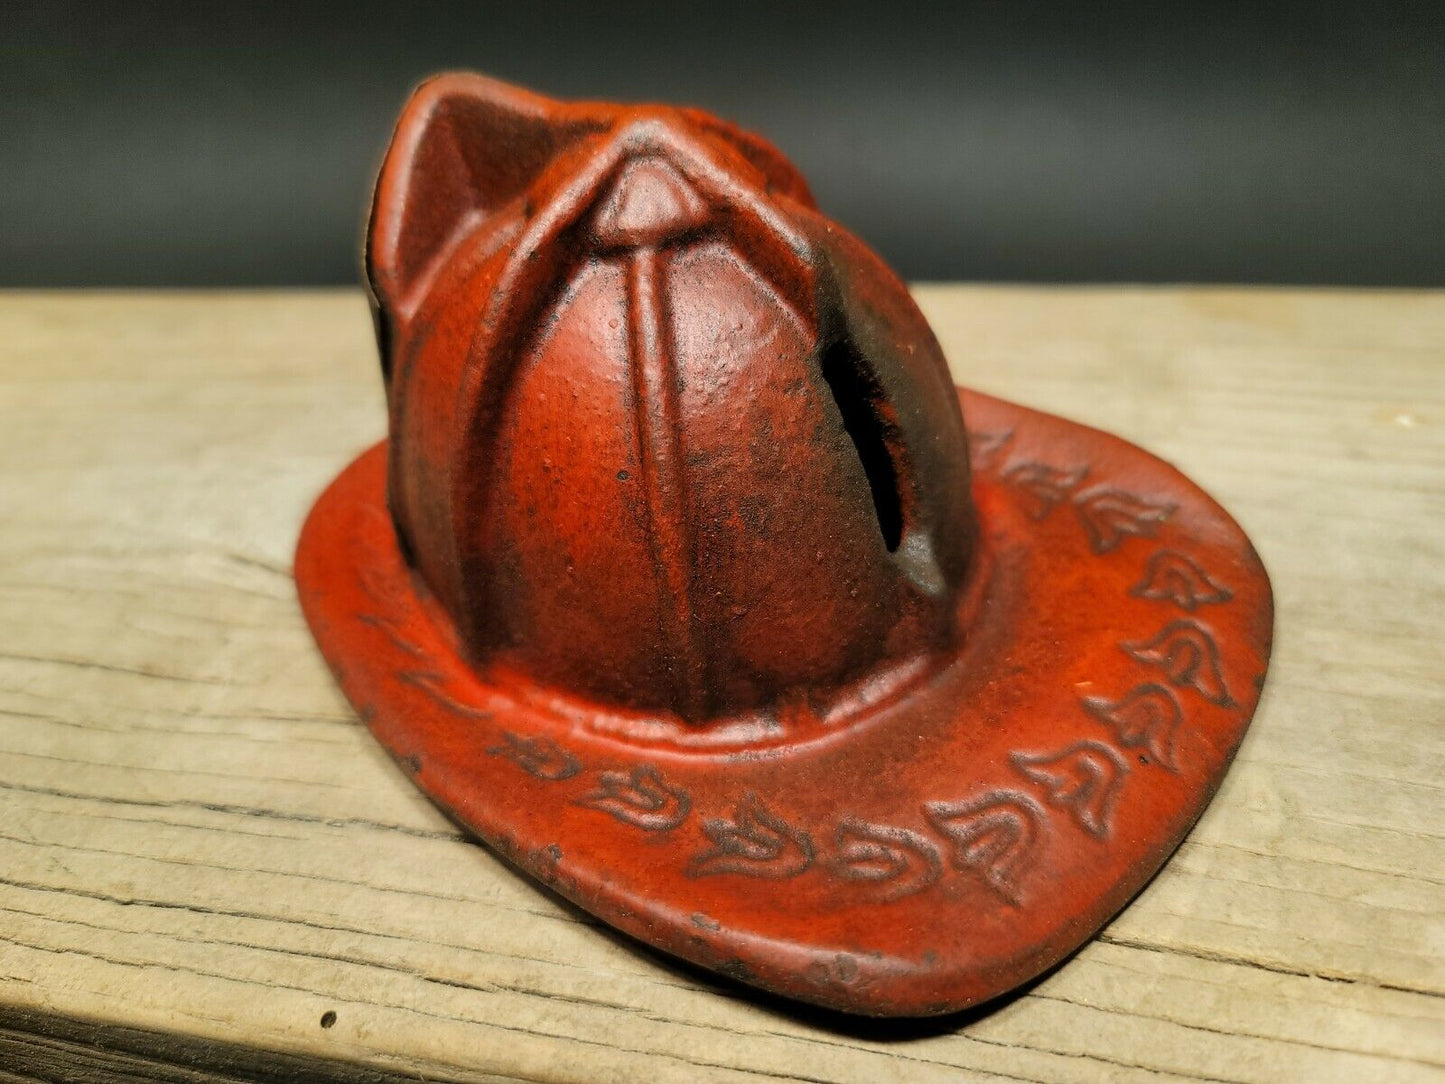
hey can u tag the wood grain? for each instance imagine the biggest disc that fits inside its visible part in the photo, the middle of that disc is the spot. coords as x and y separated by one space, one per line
202 851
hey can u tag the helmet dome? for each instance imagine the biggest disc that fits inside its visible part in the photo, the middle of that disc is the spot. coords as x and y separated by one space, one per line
663 437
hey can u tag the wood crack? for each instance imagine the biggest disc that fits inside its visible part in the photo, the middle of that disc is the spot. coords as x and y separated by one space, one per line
239 811
1260 965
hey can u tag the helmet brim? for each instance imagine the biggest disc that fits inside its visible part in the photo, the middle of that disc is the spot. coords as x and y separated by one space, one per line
970 833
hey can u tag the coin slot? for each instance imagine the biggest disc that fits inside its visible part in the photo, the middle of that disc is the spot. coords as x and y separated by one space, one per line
859 397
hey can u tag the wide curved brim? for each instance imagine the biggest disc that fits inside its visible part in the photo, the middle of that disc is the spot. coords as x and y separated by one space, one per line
968 835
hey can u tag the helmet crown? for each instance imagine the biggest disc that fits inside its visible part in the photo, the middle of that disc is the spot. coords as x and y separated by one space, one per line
664 439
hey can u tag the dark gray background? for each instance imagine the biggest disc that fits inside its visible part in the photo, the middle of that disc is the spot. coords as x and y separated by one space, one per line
206 144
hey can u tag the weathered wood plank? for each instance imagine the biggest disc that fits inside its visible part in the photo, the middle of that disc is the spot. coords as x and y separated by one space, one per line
202 851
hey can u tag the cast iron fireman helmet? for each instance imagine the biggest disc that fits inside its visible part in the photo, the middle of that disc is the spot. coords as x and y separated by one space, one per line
663 437
676 581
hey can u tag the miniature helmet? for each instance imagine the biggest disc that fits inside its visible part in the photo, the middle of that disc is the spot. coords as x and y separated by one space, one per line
681 582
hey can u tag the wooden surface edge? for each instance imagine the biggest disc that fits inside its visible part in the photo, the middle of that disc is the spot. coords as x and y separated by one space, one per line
44 1047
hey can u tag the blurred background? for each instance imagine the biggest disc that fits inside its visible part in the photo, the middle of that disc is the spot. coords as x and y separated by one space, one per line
206 144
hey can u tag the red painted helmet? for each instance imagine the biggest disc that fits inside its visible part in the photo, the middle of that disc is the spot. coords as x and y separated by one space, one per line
675 582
